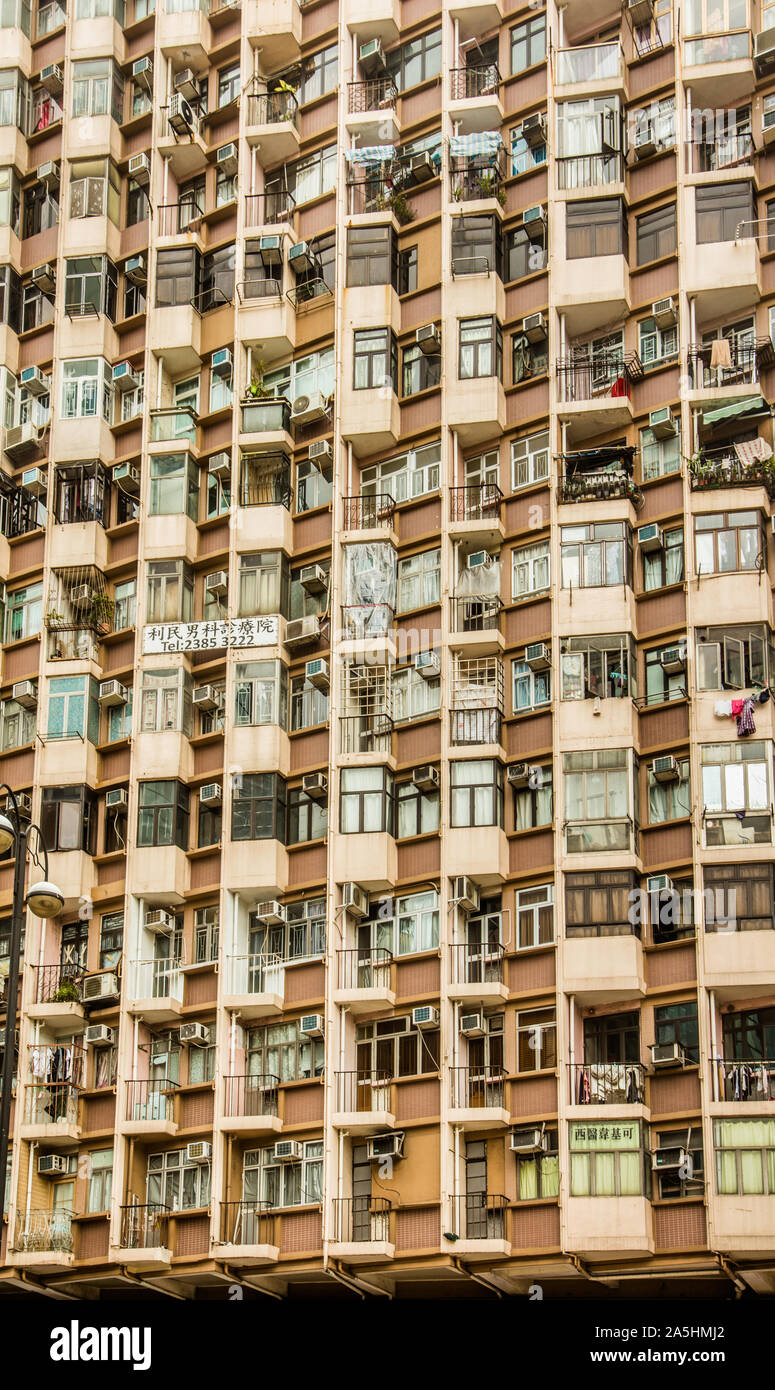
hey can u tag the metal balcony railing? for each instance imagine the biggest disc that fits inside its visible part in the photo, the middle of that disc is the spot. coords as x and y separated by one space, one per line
151 1100
155 979
604 376
724 153
480 81
268 209
175 218
740 1080
365 733
376 94
259 287
362 1091
480 614
475 725
739 363
57 984
303 294
360 1219
480 1216
247 1223
475 502
476 963
263 485
50 1103
718 468
367 512
251 1095
364 968
590 170
477 1088
606 1083
475 177
271 108
257 973
592 485
39 1231
211 298
144 1226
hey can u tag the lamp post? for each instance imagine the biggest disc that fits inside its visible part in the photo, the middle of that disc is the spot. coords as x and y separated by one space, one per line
43 899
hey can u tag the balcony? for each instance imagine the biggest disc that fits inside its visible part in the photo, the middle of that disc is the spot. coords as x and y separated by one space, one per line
274 27
265 480
371 110
178 219
743 1082
594 475
474 725
272 124
269 209
255 985
733 466
595 67
270 415
583 172
726 153
360 1230
42 1240
155 989
739 964
362 1102
477 1098
716 63
478 974
250 1106
266 316
185 152
174 425
475 513
150 1108
475 97
478 178
479 1220
248 1234
475 623
373 511
144 1236
601 967
595 394
364 980
726 365
51 1112
370 733
57 998
606 1083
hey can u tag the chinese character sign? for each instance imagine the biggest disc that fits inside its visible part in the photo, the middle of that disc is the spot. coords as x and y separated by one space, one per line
212 636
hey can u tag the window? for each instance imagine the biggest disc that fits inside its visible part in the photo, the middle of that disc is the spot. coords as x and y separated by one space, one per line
736 792
606 1160
477 792
225 188
728 541
124 598
111 939
661 684
596 555
745 1157
477 246
10 298
408 475
163 814
68 819
530 570
414 696
739 895
304 376
416 61
523 256
18 725
301 937
655 346
307 817
277 1184
16 14
95 189
178 276
531 689
598 798
167 701
87 388
217 279
82 493
480 348
534 908
174 485
282 1050
10 199
170 595
228 84
659 457
526 155
403 926
734 658
538 1175
670 800
365 800
720 208
73 711
175 1183
536 1040
596 228
530 460
664 566
684 1181
655 234
677 1023
319 75
24 613
407 270
264 583
533 802
372 256
258 807
98 89
420 371
654 125
375 358
528 44
265 479
261 693
15 105
590 139
309 177
309 705
100 1180
419 581
392 1047
417 812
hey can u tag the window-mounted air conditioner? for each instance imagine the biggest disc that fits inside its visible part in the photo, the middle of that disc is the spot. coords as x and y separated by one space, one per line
672 660
159 921
136 270
125 377
425 1016
426 778
315 785
222 363
302 631
664 312
116 799
534 129
219 466
538 656
96 988
518 774
217 583
306 409
52 78
473 1025
385 1146
142 74
479 559
140 169
421 167
199 1152
194 1035
665 769
667 1055
81 596
99 1035
35 381
465 893
659 883
535 328
313 579
271 912
321 451
428 339
428 665
288 1151
650 537
25 693
208 698
49 174
644 143
270 249
33 479
534 223
669 1158
317 673
640 11
226 158
23 804
312 1025
185 83
355 900
300 257
44 278
371 58
210 794
181 115
52 1165
764 52
126 476
530 1140
662 423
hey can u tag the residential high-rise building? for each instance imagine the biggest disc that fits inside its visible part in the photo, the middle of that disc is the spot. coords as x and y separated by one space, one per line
386 509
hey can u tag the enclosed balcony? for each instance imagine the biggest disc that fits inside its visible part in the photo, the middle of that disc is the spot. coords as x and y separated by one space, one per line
272 125
477 970
475 623
362 1101
150 1108
42 1240
255 985
248 1234
365 980
174 425
594 393
371 110
718 67
144 1236
594 67
268 415
479 1221
592 475
251 1105
476 711
478 1097
723 152
360 1229
265 480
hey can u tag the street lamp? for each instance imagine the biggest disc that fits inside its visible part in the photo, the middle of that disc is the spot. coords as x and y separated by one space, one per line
44 899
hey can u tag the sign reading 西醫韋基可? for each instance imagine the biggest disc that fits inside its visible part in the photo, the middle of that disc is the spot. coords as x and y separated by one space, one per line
203 637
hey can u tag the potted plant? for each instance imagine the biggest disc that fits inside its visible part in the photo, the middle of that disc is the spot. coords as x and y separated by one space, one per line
102 609
65 993
257 391
404 213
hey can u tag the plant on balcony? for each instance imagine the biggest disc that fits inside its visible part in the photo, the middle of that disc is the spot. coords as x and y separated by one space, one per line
488 188
257 391
397 203
701 468
65 993
101 613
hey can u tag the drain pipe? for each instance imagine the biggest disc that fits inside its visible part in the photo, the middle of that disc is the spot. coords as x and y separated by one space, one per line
156 1288
355 1283
478 1278
46 1290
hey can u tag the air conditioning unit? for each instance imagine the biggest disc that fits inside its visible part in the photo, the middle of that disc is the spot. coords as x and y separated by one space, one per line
217 583
650 537
426 778
270 249
371 58
672 660
768 126
659 883
538 656
52 78
116 799
663 423
764 52
314 579
81 596
644 143
421 167
530 1140
665 769
315 785
428 339
664 312
23 804
355 900
199 1152
300 257
307 409
479 559
302 631
321 451
210 794
194 1034
49 174
271 912
52 1165
288 1151
518 774
312 1025
136 270
668 1159
640 11
112 693
219 466
126 476
226 158
125 377
98 987
207 698
99 1035
535 328
25 693
473 1025
181 115
534 223
44 278
35 381
159 921
385 1146
425 1016
667 1055
142 74
222 363
140 169
534 129
317 673
186 85
428 665
465 893
33 479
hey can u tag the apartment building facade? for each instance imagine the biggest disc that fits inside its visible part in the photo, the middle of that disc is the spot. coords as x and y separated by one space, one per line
386 506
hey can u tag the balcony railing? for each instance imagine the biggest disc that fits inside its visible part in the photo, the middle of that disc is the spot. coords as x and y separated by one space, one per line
247 1223
267 414
724 153
251 1095
481 1216
365 733
364 968
39 1231
144 1226
272 108
590 170
716 48
475 725
155 979
605 376
731 364
268 209
367 512
481 81
367 620
596 484
477 1088
480 614
360 1219
259 287
595 62
723 468
303 294
475 963
151 1099
475 502
606 1083
51 1103
257 973
57 984
746 1081
376 94
475 177
211 298
173 425
175 218
362 1091
263 484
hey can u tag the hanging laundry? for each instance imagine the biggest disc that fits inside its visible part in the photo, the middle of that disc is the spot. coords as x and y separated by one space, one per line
745 721
737 708
722 709
720 353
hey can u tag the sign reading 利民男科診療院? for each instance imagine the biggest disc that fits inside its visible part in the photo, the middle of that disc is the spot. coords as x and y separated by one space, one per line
210 636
